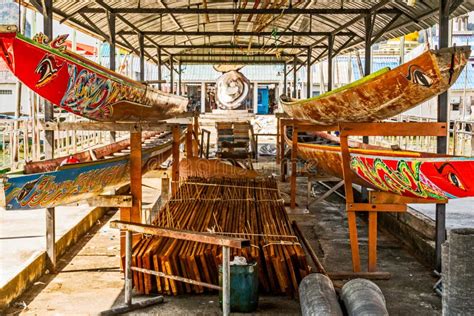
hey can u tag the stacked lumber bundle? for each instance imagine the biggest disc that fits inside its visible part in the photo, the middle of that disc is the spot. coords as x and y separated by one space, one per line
245 208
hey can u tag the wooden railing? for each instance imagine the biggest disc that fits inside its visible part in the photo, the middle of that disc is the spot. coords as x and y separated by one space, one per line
22 140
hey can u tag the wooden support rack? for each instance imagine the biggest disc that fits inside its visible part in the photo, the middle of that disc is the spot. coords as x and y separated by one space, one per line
378 201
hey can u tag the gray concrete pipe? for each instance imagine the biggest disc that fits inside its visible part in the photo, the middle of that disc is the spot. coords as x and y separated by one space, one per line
459 288
317 296
362 297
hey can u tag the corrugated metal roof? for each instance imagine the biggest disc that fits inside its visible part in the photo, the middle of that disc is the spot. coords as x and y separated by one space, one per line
420 16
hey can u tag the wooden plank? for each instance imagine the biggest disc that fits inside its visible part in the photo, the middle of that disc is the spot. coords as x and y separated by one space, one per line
207 238
110 201
376 207
394 129
196 135
278 142
380 197
282 151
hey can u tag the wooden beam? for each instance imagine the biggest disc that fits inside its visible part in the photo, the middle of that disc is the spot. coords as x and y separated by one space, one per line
108 126
294 157
394 129
110 201
208 238
365 207
354 275
196 136
380 197
189 141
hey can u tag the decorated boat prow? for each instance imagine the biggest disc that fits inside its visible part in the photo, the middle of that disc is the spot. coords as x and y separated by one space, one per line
406 173
81 86
55 182
385 93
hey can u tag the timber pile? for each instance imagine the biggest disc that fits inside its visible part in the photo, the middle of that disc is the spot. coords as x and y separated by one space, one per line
246 208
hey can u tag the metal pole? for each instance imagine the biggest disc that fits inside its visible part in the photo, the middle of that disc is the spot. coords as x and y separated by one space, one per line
128 268
330 53
225 280
179 79
294 78
285 80
49 147
309 83
141 40
368 54
159 67
171 75
442 142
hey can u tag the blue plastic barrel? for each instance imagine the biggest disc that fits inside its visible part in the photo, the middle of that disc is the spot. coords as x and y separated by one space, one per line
243 287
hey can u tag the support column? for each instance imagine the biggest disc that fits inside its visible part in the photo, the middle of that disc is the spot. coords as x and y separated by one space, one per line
330 55
203 97
159 66
283 161
196 135
112 57
49 148
367 67
442 142
255 97
189 141
141 41
171 75
294 156
295 82
309 82
136 176
285 81
175 165
179 79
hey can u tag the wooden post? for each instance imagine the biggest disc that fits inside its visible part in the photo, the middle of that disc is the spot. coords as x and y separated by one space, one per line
351 216
189 141
165 190
372 243
196 135
278 144
136 176
282 151
175 166
294 156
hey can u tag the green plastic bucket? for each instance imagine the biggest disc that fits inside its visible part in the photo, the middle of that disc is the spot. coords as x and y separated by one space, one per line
243 287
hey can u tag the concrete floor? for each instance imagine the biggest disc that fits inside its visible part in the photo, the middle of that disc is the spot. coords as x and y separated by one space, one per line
89 280
23 235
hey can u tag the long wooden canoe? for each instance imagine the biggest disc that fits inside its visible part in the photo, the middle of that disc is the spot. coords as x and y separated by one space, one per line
47 184
81 86
406 173
386 92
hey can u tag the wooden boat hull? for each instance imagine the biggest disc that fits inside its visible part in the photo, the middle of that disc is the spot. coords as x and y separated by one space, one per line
81 86
74 182
384 94
406 173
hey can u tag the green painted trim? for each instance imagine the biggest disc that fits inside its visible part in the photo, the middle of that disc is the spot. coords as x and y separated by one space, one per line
346 87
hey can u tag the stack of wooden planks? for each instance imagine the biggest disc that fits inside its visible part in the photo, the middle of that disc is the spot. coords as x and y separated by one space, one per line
246 208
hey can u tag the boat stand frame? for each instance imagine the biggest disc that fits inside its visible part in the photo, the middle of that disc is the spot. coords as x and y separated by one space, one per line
378 201
225 242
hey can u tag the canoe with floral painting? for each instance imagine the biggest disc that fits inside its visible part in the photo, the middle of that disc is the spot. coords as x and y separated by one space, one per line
81 86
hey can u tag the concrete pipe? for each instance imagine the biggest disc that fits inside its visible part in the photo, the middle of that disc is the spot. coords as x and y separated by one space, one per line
317 296
460 287
363 297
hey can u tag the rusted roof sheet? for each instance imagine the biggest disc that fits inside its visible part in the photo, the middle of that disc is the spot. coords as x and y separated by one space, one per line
418 17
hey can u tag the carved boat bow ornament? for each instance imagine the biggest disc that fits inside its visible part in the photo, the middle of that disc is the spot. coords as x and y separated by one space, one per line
231 88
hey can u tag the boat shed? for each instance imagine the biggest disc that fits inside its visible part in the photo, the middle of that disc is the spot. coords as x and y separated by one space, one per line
251 202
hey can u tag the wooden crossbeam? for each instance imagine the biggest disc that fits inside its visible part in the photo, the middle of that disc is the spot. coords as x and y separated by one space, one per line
111 201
